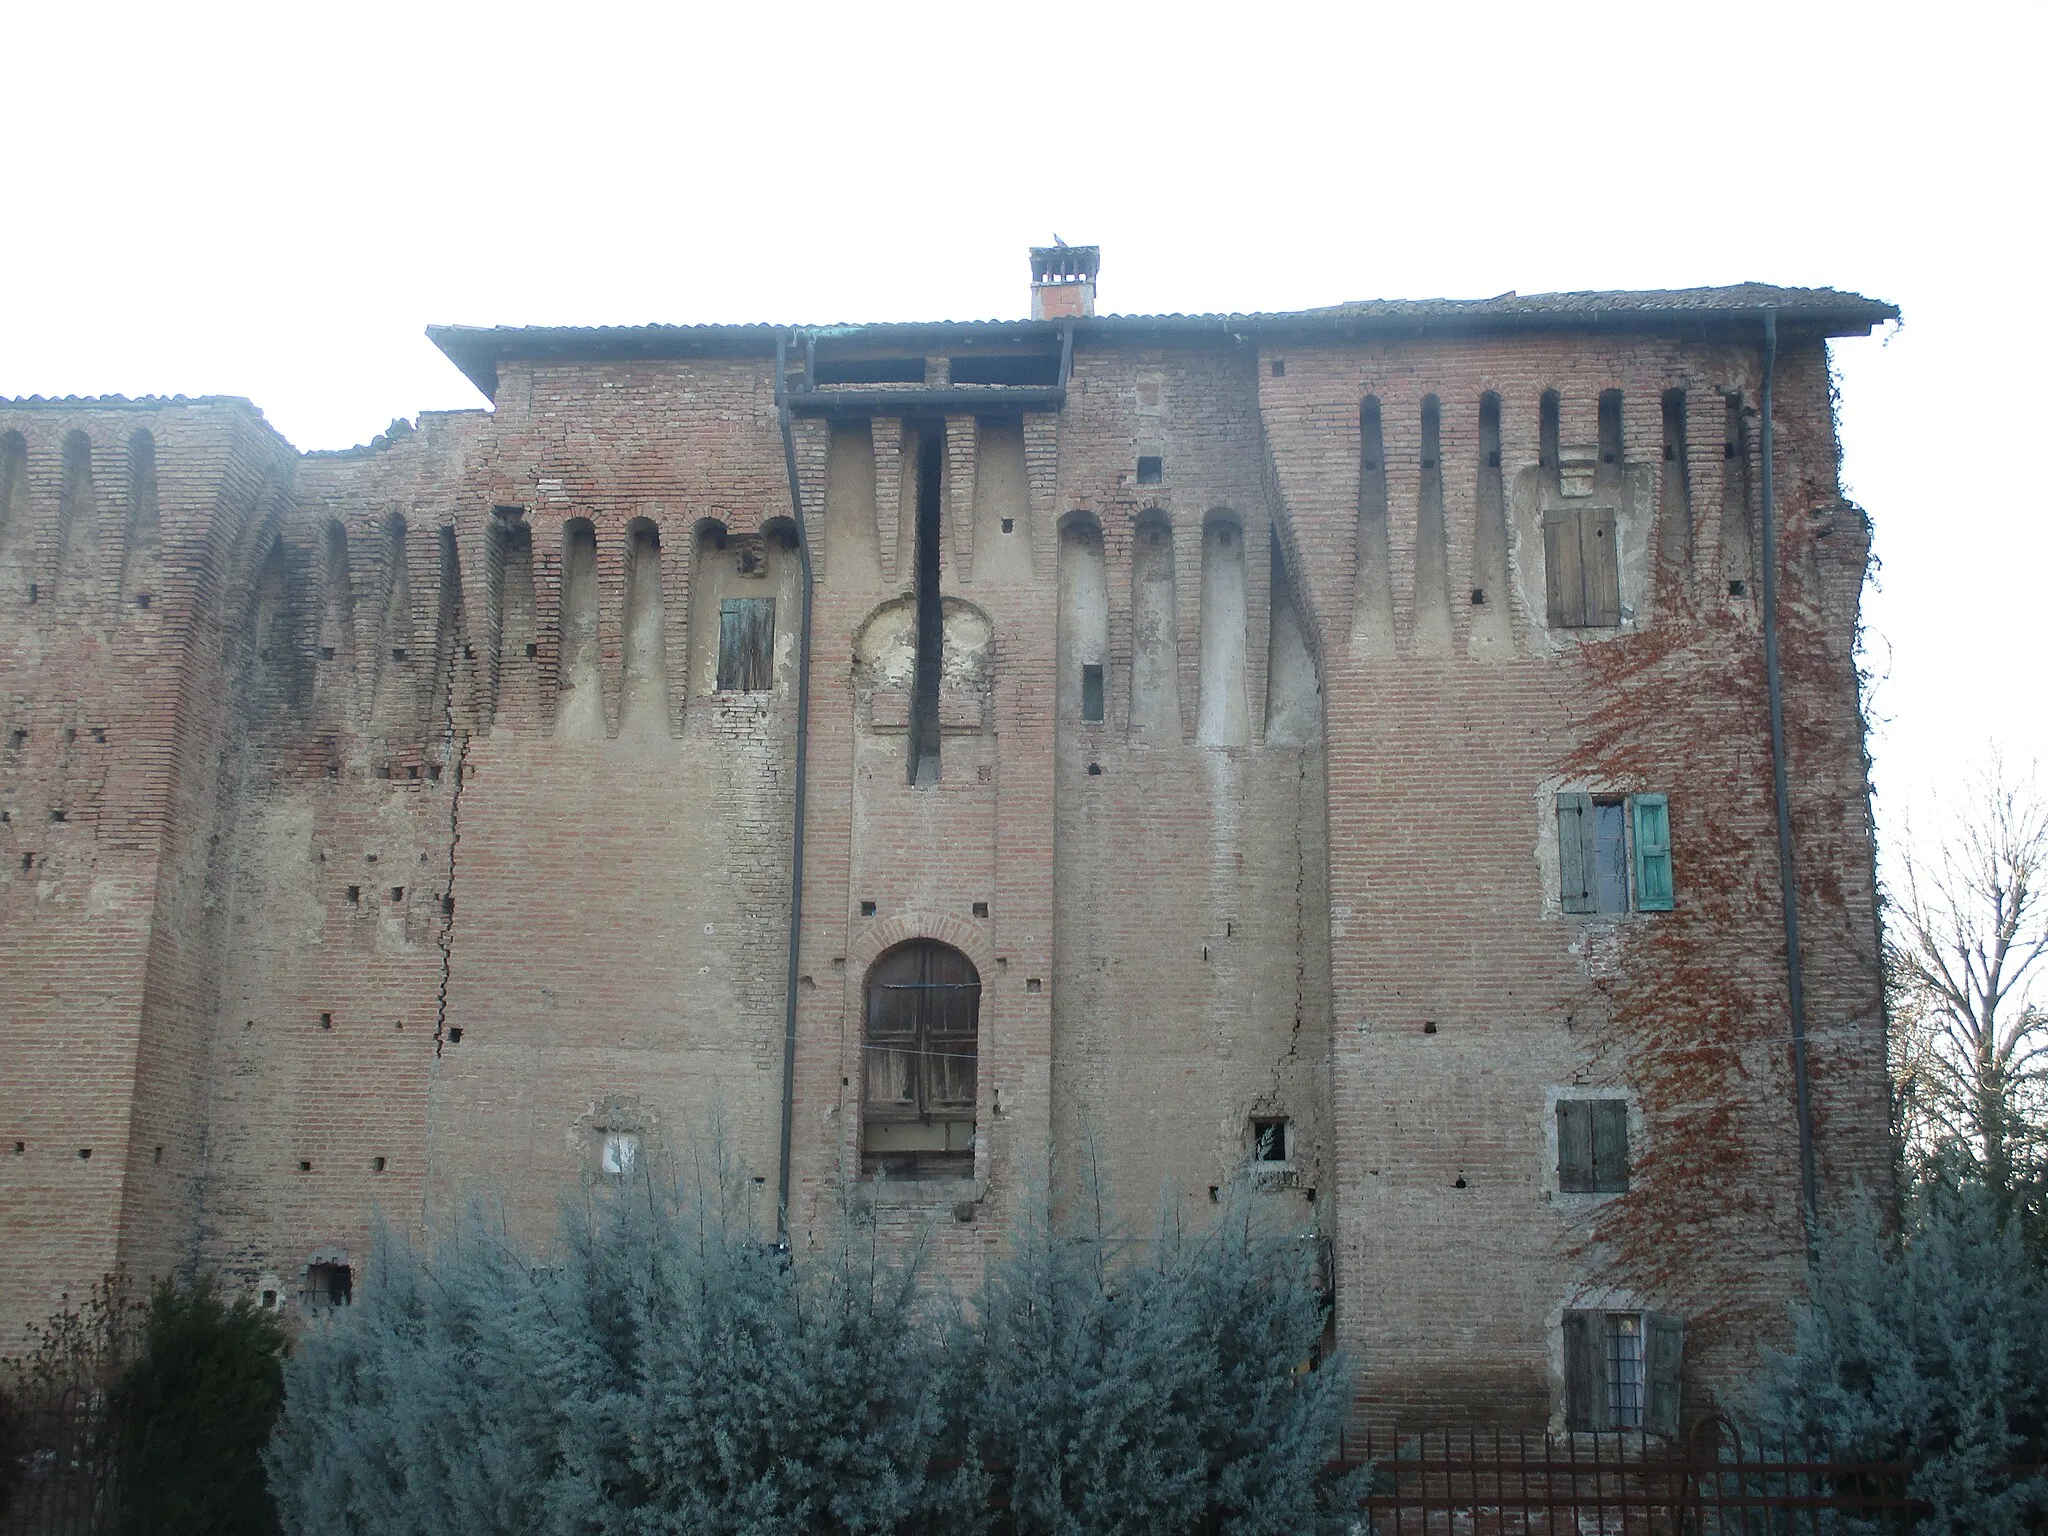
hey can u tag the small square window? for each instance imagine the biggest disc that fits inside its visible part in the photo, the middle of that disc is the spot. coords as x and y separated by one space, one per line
1279 367
1091 692
618 1154
1151 469
1269 1141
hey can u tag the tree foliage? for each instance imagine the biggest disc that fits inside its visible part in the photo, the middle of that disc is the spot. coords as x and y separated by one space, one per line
1931 1349
664 1369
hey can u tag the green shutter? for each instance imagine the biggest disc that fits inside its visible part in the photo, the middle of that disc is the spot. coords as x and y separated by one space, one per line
1609 1134
1653 853
1663 1360
1575 1146
1585 1372
1575 850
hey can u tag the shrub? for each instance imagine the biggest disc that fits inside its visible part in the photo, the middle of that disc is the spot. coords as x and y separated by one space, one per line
1931 1350
192 1413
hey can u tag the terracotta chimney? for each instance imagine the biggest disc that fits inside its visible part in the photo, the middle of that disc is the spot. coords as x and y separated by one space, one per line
1063 280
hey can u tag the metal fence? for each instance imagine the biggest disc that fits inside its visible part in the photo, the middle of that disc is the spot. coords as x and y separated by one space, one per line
1715 1483
63 1477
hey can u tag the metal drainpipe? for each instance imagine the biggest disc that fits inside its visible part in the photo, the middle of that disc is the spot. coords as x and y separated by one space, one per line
803 736
1788 881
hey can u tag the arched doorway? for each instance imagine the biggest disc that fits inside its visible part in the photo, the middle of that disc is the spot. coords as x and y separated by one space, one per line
921 1045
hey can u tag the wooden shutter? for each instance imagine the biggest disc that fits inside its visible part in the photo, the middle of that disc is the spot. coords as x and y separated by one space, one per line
1663 1361
1575 849
746 645
892 1057
1608 1134
1575 1166
1653 853
1601 568
951 1008
1563 578
1585 1371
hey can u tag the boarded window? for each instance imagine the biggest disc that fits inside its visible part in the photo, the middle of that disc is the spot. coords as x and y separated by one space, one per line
746 645
1592 1146
1580 570
923 1013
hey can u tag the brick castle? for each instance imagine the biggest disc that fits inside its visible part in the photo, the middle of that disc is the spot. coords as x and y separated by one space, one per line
1341 740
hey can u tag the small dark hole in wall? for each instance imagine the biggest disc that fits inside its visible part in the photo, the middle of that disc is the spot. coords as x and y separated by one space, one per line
469 653
305 1166
867 909
1279 367
157 1156
85 1154
355 895
1095 770
334 770
1151 469
433 773
28 861
57 815
383 770
33 591
99 735
455 1035
17 738
20 1147
327 653
398 893
1033 984
1479 597
1009 525
376 1165
369 858
1493 459
398 653
412 770
70 733
1459 1182
981 909
1215 1194
1429 1026
400 1024
448 905
1738 588
142 599
532 649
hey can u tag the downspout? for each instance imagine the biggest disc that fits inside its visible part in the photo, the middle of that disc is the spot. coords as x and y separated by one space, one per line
1788 882
803 737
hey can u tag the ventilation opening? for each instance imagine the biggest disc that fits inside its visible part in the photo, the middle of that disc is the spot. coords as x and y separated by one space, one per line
1547 432
1610 429
872 370
1028 371
1091 691
924 697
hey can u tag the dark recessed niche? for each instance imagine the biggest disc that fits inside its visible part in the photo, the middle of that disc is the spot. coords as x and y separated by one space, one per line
327 1021
1151 469
1033 984
142 599
376 1165
355 895
455 1034
1279 367
532 649
99 736
383 770
1429 1026
1738 588
433 773
327 653
305 1166
1479 597
398 893
981 909
867 909
398 653
1095 770
157 1155
1009 525
85 1154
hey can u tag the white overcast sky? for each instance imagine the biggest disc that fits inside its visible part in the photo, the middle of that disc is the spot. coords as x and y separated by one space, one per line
273 200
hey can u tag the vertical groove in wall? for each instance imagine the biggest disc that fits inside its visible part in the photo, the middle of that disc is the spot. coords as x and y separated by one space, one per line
78 533
394 707
142 549
643 697
1492 633
885 440
579 706
13 475
335 656
271 637
1372 607
1002 494
1224 720
1083 639
1674 512
1432 541
1738 528
962 433
851 539
1155 633
516 700
1294 706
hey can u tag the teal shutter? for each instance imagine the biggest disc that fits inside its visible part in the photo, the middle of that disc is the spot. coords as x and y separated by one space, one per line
1653 853
1585 1372
1609 1133
1575 1166
1575 850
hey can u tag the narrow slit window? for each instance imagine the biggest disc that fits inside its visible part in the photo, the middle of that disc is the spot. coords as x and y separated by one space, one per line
1091 691
746 645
